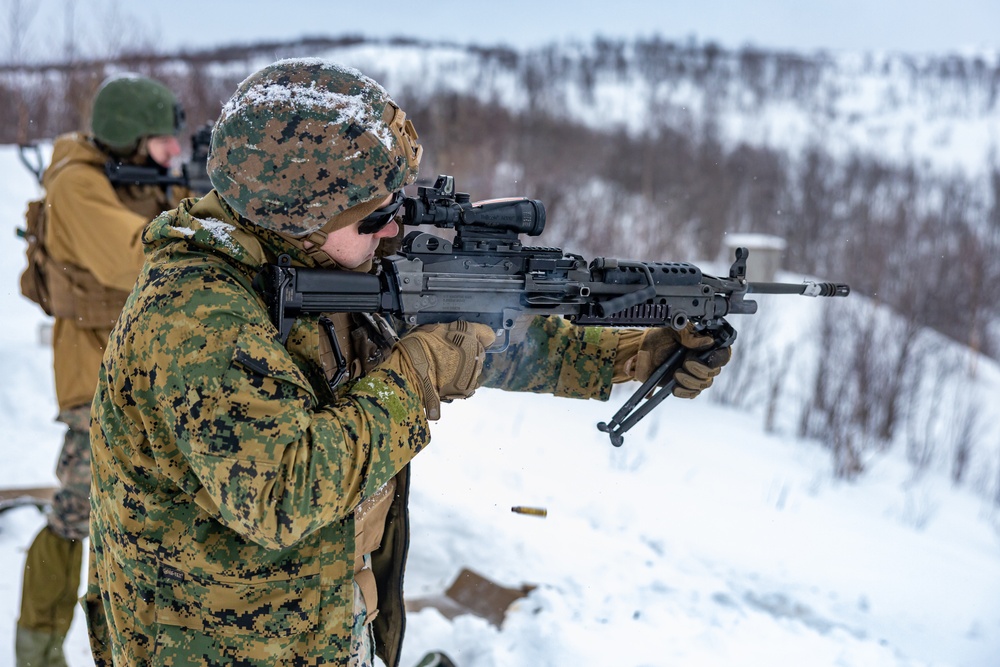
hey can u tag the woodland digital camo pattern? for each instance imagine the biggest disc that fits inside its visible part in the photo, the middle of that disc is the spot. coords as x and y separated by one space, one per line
226 471
303 140
557 358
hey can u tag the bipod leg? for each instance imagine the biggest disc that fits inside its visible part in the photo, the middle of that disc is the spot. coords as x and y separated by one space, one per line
631 412
648 396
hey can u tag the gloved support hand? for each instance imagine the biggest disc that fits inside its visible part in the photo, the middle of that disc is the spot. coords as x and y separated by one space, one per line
447 359
694 375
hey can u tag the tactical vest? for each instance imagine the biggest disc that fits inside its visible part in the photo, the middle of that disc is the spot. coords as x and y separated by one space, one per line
74 294
61 289
33 283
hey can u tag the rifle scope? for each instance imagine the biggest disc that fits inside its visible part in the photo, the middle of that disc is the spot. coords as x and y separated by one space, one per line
523 216
441 206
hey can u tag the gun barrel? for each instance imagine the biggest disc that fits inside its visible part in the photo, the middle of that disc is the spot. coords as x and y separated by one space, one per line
805 289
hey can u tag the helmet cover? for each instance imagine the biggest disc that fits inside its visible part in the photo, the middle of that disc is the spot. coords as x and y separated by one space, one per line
303 140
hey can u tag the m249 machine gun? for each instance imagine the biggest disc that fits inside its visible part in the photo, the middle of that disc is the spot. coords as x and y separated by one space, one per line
486 275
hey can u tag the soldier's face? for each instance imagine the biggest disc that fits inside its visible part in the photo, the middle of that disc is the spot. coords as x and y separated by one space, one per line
350 249
163 149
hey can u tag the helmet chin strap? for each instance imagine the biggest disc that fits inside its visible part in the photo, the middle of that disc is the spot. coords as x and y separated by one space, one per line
315 249
312 245
321 258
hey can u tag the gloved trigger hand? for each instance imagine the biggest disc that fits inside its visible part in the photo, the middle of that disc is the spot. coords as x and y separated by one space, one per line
447 360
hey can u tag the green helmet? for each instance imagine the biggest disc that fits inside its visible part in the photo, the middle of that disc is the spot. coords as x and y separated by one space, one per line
129 107
303 140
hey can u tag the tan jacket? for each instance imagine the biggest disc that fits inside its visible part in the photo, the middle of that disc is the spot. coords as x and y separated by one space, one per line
96 227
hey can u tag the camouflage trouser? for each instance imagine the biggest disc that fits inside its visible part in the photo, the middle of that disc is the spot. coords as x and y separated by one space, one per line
70 517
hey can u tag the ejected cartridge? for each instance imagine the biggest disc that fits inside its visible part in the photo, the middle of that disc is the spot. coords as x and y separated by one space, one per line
533 511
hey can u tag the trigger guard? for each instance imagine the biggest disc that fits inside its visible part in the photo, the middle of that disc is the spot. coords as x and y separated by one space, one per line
501 343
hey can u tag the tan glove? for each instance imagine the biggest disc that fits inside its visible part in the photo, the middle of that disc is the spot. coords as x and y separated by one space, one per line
447 359
694 375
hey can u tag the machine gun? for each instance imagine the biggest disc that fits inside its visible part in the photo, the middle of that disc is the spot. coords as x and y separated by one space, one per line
193 176
485 274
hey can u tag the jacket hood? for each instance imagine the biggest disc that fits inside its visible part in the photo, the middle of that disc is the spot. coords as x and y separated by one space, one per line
72 149
210 224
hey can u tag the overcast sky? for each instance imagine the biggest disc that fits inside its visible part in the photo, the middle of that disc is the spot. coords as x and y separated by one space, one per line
914 26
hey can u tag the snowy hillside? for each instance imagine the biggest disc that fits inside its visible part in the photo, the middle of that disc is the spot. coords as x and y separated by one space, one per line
937 112
703 541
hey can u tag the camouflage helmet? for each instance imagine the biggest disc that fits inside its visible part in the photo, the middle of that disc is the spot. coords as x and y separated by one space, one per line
128 107
303 140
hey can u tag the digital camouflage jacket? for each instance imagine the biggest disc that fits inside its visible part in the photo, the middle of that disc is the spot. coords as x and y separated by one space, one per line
226 471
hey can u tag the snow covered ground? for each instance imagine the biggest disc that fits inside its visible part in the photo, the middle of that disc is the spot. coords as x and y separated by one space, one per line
703 541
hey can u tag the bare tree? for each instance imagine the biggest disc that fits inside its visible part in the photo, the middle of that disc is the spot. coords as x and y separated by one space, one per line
926 407
779 374
964 432
19 18
996 491
20 15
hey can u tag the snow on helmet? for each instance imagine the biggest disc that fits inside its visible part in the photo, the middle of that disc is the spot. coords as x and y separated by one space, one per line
303 140
128 107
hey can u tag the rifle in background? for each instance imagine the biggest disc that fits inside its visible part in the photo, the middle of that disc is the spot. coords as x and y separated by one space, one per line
193 176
